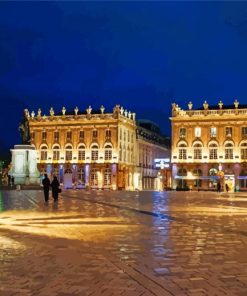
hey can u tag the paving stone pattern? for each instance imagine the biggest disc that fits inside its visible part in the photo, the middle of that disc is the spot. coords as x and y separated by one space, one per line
123 243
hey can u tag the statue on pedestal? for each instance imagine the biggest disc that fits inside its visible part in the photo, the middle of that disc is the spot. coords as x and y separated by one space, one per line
24 128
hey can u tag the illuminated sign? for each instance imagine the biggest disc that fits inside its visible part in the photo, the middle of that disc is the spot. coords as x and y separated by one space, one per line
162 163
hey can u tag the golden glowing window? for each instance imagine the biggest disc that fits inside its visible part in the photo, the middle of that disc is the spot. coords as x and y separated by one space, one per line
94 152
229 151
197 151
213 151
108 152
107 177
56 152
81 152
244 151
182 151
68 153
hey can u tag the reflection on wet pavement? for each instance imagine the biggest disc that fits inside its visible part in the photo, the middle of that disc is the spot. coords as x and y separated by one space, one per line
123 243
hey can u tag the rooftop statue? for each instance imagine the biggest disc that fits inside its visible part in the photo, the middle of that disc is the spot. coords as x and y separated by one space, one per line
24 128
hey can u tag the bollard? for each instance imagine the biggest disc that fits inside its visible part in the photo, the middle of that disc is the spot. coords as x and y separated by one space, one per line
18 187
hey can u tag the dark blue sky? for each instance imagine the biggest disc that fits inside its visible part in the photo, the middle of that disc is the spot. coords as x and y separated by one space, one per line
142 55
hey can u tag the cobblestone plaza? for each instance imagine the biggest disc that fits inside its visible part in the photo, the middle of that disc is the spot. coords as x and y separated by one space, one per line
123 243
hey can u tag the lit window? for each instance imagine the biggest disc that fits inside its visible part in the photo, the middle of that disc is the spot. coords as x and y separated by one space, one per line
213 151
68 153
94 177
94 152
198 151
182 151
213 131
44 135
107 177
229 151
108 134
43 155
81 152
56 153
69 136
244 131
56 136
197 132
95 134
228 132
81 135
81 176
182 132
108 152
244 151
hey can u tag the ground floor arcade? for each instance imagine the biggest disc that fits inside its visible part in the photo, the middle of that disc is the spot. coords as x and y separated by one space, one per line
206 176
105 176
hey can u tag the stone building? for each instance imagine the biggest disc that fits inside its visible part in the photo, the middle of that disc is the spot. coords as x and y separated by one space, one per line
152 146
87 149
209 145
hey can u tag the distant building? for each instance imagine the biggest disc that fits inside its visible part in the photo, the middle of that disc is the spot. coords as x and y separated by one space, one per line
209 145
94 149
152 146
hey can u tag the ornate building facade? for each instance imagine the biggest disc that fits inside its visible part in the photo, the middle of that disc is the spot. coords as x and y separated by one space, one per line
87 149
209 145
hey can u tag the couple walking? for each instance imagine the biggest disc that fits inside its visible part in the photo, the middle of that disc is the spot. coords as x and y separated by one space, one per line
54 185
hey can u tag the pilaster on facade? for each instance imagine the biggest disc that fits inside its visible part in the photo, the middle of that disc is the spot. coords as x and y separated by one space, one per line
209 143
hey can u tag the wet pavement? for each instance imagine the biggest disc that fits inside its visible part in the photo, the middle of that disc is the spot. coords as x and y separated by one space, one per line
123 243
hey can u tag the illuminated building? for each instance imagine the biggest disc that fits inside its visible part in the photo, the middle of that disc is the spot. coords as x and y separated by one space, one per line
209 145
87 149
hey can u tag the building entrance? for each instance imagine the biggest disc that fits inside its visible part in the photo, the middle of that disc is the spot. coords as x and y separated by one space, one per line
229 180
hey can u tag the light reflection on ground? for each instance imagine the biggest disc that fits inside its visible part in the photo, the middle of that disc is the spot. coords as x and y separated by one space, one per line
123 243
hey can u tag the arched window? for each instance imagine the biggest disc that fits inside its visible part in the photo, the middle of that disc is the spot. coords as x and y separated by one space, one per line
213 151
81 152
95 152
43 153
56 152
243 150
107 177
197 151
182 151
108 152
68 152
228 151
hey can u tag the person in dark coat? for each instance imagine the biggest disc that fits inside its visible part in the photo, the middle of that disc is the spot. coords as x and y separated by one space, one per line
46 186
218 186
55 188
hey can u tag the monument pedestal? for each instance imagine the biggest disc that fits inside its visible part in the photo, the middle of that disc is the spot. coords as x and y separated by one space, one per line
24 165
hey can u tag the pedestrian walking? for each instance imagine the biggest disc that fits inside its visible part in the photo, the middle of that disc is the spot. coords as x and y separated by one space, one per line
55 188
218 186
46 186
12 181
227 187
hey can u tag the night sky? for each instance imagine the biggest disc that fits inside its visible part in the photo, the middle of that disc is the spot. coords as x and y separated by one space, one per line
141 55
